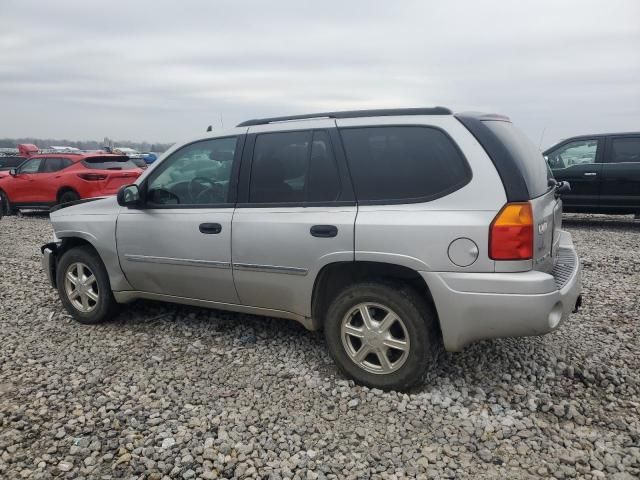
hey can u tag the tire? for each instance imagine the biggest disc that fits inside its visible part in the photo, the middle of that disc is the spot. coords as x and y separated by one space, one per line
68 196
99 307
5 206
416 330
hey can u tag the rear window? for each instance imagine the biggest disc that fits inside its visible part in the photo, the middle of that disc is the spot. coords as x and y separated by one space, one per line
528 158
109 163
396 163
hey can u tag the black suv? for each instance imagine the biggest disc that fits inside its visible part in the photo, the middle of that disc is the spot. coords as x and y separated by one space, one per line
603 170
7 162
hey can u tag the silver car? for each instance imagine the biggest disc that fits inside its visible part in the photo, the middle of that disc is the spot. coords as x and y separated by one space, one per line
397 232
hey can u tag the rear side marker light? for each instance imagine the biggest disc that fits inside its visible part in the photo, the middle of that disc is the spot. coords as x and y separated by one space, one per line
92 176
511 233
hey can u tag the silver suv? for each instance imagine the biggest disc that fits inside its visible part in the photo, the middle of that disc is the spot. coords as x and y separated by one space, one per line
397 232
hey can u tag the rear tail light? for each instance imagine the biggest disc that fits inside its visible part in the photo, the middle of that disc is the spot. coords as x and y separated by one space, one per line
92 176
511 233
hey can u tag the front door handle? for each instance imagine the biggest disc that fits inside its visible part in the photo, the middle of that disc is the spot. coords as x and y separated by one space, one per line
210 228
324 231
590 174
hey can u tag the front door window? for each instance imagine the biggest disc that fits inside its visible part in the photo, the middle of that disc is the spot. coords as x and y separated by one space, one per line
197 174
578 152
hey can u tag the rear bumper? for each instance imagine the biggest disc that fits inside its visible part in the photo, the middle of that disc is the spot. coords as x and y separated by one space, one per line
475 306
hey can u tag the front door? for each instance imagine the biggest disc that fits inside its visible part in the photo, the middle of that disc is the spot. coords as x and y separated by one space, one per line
23 189
621 174
179 243
579 163
296 213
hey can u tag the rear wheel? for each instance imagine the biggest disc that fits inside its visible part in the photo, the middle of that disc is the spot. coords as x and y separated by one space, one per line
83 286
382 335
5 206
68 196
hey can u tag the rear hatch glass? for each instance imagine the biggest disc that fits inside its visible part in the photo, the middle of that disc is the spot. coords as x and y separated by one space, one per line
547 209
109 163
529 159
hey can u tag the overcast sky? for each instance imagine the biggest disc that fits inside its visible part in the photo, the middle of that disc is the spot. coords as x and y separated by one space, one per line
160 71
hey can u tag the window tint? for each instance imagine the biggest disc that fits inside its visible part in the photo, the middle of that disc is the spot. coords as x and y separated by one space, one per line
625 150
323 178
197 174
54 164
574 153
395 163
31 166
109 163
10 162
526 155
293 167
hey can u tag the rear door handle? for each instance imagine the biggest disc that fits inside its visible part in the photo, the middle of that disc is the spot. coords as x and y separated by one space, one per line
590 174
210 228
324 231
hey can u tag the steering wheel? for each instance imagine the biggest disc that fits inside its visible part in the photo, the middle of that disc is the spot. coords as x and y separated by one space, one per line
205 190
163 196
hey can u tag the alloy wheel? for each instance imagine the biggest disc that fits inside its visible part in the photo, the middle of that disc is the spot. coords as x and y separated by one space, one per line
81 287
375 338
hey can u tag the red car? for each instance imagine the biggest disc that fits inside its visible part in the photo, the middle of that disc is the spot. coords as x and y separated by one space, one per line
45 180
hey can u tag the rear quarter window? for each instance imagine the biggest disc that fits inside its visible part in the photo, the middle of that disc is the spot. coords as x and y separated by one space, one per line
403 163
109 163
528 158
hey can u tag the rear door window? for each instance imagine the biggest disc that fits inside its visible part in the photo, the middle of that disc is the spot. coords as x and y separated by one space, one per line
403 163
528 158
109 163
293 167
625 150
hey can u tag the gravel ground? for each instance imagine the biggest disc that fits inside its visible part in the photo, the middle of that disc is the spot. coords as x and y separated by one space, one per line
174 392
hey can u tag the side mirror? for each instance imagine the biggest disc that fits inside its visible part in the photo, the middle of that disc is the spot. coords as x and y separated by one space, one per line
130 196
13 172
564 187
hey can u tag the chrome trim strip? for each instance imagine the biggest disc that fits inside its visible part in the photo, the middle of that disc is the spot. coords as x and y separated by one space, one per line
189 262
270 268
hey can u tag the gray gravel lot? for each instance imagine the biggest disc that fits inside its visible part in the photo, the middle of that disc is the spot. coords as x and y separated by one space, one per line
173 392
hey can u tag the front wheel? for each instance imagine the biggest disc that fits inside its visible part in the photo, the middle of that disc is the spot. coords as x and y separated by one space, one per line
83 286
382 335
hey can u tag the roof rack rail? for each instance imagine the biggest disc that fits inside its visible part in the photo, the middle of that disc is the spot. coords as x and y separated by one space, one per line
351 114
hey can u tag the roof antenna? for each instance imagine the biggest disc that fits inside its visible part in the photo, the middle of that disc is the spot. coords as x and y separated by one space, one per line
542 137
209 128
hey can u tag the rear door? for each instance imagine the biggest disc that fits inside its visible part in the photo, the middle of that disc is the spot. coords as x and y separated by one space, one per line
621 173
48 181
580 163
296 213
179 243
